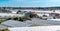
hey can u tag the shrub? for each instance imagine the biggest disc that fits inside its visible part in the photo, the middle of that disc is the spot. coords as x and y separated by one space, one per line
16 18
31 14
21 19
18 12
26 17
4 29
1 21
9 19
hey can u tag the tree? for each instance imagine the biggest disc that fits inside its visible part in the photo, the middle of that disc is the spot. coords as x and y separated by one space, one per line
18 11
31 14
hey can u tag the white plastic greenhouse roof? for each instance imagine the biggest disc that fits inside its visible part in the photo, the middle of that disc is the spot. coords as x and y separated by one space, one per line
14 23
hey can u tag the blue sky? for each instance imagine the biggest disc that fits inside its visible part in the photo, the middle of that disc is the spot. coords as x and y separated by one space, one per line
29 3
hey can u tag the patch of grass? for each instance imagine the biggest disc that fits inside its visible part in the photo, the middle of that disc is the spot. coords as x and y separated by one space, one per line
1 20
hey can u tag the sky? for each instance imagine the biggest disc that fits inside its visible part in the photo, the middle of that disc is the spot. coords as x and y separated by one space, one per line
29 3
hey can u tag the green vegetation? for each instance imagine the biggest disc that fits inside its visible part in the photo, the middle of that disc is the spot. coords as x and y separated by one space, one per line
21 19
1 20
27 16
16 18
4 29
24 18
18 11
9 18
31 14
